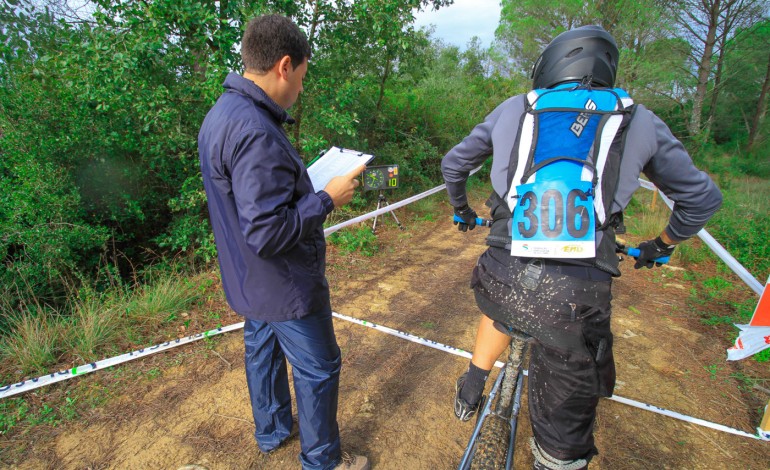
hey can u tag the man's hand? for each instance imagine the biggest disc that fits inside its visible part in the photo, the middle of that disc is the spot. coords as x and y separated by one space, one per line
650 250
469 218
341 188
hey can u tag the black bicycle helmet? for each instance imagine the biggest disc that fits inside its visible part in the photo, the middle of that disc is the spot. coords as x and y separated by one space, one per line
587 51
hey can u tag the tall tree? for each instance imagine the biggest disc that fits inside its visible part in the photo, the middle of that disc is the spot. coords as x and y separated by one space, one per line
365 34
742 104
527 26
741 14
707 24
761 111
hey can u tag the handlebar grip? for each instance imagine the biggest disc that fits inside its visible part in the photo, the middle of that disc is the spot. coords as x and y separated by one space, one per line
635 253
479 221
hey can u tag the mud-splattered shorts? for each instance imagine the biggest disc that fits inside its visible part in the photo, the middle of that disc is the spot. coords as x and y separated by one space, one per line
571 362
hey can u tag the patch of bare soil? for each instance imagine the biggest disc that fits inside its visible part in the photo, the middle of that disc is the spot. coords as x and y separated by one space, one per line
396 396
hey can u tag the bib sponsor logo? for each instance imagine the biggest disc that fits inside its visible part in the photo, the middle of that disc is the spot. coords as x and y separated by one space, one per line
572 249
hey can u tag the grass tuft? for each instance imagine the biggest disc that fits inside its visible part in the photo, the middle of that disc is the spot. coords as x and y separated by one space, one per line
36 343
161 300
96 325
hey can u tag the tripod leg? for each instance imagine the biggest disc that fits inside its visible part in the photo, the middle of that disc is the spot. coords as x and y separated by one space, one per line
394 216
374 225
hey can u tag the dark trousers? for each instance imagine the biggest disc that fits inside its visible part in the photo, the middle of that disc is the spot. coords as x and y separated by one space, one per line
311 348
571 362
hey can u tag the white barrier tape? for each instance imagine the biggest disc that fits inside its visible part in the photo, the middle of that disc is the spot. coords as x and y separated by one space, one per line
388 208
718 249
679 416
498 364
27 385
410 337
21 387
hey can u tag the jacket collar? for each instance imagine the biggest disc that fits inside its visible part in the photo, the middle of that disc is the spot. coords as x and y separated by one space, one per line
244 86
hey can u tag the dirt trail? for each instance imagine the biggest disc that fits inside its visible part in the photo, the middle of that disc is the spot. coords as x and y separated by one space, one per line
395 396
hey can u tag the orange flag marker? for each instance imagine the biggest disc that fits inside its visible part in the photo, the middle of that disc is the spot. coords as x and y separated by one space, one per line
755 336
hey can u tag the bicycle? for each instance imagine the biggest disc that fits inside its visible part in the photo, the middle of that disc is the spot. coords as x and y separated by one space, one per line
491 446
492 442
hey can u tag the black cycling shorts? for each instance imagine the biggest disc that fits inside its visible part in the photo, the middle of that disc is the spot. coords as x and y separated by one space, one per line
571 363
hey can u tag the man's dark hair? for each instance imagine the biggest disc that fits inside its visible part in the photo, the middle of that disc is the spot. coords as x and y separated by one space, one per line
269 38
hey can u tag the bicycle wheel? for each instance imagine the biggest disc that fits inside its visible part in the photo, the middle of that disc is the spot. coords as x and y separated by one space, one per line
492 444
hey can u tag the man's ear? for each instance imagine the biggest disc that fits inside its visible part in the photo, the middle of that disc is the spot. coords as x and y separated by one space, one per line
284 67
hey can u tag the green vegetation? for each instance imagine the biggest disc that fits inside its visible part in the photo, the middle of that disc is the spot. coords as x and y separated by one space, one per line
95 325
359 239
16 411
36 342
742 227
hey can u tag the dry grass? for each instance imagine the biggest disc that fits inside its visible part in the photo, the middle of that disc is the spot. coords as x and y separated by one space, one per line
161 301
36 343
95 326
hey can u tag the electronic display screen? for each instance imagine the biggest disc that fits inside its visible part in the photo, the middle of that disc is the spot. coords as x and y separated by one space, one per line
380 177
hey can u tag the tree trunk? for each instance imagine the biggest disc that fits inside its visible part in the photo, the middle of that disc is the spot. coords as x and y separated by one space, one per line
761 109
384 79
734 14
718 75
704 68
297 110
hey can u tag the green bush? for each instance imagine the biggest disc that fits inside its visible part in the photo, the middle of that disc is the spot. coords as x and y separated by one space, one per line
742 225
360 239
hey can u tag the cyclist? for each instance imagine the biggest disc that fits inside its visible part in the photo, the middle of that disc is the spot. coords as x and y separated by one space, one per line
566 160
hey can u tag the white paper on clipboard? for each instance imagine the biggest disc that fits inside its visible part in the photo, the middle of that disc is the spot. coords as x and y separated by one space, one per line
335 162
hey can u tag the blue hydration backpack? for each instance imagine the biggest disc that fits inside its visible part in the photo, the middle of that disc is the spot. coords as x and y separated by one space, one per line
563 170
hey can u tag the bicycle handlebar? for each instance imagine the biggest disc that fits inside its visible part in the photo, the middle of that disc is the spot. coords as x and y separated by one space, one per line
634 253
479 221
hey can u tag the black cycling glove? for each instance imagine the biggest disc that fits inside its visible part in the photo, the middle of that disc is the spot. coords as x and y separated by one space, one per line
650 250
468 216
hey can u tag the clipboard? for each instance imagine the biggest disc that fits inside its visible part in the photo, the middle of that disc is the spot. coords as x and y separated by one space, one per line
335 162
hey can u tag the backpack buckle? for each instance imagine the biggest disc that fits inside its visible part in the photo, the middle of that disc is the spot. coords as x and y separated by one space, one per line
533 274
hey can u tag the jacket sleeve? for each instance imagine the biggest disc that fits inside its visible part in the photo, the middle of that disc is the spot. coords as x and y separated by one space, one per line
467 155
655 151
271 216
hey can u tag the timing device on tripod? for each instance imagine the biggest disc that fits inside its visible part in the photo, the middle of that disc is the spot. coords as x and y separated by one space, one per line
379 178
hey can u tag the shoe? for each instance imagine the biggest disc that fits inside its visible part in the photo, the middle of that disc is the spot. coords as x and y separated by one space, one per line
464 410
353 462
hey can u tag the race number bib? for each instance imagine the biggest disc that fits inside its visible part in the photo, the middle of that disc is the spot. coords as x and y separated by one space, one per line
554 219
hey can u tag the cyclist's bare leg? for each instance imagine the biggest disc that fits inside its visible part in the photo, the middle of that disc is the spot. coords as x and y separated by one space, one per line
490 344
469 388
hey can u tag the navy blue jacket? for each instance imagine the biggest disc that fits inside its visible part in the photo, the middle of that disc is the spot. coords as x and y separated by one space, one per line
266 217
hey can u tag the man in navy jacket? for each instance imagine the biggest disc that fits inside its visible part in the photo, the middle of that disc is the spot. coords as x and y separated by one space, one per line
268 226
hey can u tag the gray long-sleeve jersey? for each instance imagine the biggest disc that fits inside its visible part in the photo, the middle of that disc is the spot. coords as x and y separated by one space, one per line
650 148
